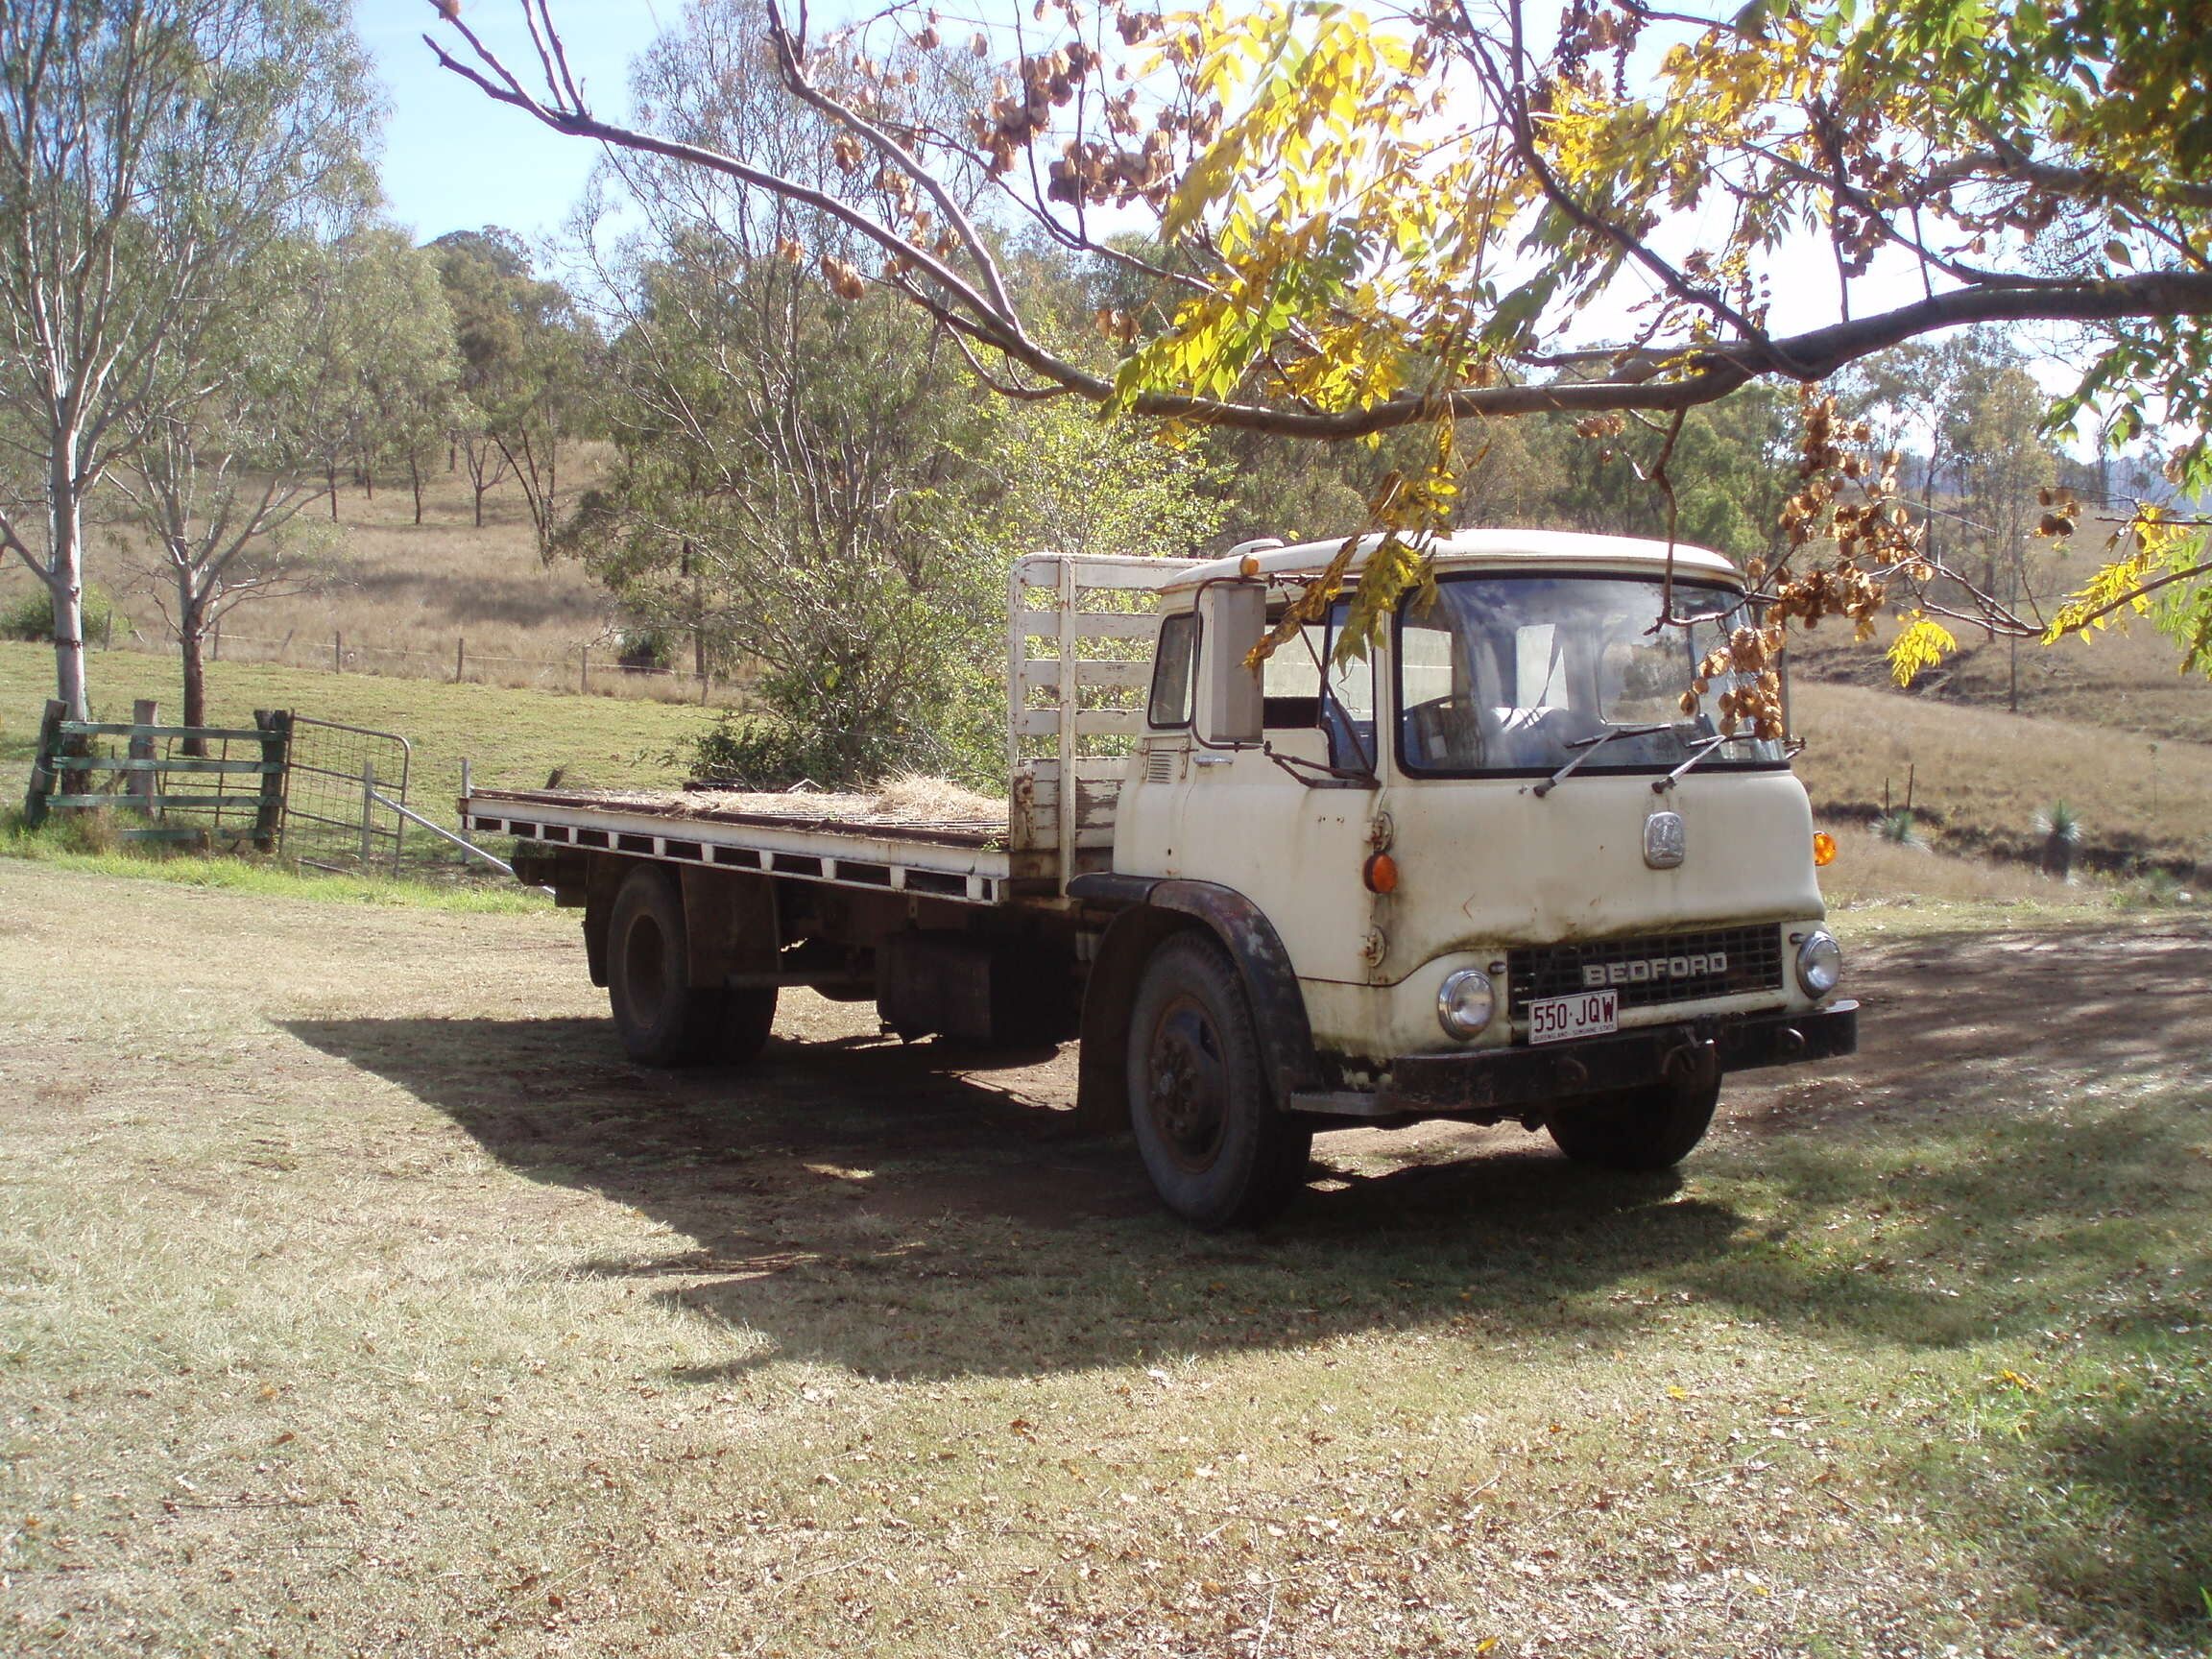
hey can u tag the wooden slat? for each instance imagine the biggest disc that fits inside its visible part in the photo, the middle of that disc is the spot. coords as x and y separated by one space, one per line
177 763
1089 723
1110 571
1088 768
1043 673
1091 625
243 801
132 803
108 728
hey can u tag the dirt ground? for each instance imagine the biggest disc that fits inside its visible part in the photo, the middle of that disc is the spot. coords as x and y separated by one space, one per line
356 1295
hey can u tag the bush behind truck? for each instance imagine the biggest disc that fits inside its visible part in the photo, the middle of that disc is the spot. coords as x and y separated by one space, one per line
1491 872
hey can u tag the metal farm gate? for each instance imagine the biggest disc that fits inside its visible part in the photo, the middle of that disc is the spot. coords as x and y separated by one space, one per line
346 805
345 791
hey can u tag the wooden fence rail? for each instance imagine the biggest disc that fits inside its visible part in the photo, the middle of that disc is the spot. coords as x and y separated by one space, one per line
68 763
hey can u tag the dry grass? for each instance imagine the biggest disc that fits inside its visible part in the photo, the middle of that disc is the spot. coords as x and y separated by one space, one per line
922 799
1980 775
375 1305
407 595
1869 870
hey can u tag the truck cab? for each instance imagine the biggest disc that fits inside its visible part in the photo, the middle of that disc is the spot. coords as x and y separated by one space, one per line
1491 869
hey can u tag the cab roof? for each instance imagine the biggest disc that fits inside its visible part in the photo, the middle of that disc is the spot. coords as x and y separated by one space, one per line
1465 549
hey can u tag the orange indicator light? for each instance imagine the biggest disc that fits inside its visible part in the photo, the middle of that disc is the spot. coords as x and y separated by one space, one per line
1823 849
1381 874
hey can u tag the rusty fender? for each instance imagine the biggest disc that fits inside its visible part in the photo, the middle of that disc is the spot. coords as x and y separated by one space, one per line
1154 910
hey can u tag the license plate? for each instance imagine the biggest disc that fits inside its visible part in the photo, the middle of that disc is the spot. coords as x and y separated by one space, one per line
1586 1013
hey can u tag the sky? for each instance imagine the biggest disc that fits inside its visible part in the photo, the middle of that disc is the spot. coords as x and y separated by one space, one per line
453 159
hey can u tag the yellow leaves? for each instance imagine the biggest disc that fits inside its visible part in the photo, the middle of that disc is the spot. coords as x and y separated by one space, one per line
1922 644
2114 592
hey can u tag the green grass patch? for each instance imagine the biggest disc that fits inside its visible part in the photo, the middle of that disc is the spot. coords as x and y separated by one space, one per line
89 846
511 738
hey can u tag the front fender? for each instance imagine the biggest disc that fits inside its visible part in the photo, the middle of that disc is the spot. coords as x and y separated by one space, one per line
1154 910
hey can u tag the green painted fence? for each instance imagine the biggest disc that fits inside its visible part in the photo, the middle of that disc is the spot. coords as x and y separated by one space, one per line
204 785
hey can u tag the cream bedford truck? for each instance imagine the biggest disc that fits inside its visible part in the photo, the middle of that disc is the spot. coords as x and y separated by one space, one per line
1489 873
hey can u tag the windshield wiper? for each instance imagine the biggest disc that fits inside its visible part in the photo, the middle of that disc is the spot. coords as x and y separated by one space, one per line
1590 746
1660 786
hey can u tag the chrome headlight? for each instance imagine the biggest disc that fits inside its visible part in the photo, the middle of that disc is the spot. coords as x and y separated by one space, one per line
1819 963
1466 1003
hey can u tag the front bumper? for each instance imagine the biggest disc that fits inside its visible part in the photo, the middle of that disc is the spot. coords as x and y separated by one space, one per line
1492 1083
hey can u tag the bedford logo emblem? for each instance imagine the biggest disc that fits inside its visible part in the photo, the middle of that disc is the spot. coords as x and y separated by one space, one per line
1664 840
1696 965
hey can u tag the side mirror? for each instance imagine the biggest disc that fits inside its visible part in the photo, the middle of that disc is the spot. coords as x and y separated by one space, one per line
1235 621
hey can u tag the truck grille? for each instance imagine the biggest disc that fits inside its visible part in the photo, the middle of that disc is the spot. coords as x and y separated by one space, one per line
1654 968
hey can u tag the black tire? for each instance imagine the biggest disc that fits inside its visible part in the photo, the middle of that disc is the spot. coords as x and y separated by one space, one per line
660 1020
1653 1127
1217 1150
743 1023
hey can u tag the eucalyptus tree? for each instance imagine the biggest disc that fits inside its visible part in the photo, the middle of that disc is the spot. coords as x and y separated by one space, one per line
527 356
151 150
816 485
319 340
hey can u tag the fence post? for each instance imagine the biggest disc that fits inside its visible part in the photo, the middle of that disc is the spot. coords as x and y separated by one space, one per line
337 652
141 785
42 768
367 809
584 678
276 726
460 656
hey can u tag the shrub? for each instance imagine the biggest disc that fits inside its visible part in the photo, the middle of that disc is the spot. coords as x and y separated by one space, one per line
2060 828
1898 828
31 618
643 650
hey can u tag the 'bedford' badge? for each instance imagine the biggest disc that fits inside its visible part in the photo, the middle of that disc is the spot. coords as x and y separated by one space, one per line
1664 840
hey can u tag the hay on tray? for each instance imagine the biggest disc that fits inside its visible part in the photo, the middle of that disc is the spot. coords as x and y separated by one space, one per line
934 800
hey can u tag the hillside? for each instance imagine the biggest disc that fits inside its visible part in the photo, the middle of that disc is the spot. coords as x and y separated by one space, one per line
1979 775
401 598
2106 725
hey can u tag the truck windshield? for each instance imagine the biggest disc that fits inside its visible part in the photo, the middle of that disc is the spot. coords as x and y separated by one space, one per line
1521 674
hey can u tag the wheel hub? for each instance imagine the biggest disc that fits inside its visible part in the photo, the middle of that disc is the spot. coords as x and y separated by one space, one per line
1188 1085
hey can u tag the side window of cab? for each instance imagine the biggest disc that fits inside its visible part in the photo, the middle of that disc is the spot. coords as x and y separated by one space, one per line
1303 690
1174 673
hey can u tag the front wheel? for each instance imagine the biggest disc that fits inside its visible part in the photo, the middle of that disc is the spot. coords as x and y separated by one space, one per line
1217 1149
1651 1127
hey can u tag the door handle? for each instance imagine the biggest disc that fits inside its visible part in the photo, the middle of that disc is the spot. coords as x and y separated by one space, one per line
1214 760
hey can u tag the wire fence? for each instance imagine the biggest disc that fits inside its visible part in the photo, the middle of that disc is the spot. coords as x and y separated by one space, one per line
590 669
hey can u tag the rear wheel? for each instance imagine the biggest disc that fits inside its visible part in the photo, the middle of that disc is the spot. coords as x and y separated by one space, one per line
1217 1149
662 1020
1653 1127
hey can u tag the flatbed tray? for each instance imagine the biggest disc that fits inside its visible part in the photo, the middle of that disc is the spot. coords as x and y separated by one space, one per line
821 811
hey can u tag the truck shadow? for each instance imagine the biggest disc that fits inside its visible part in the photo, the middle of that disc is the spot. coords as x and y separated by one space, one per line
918 1211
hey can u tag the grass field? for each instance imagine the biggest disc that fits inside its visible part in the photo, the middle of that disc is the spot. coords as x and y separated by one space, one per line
380 1308
1978 775
403 593
512 737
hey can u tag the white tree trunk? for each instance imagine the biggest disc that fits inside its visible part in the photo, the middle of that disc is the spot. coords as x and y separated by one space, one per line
65 578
